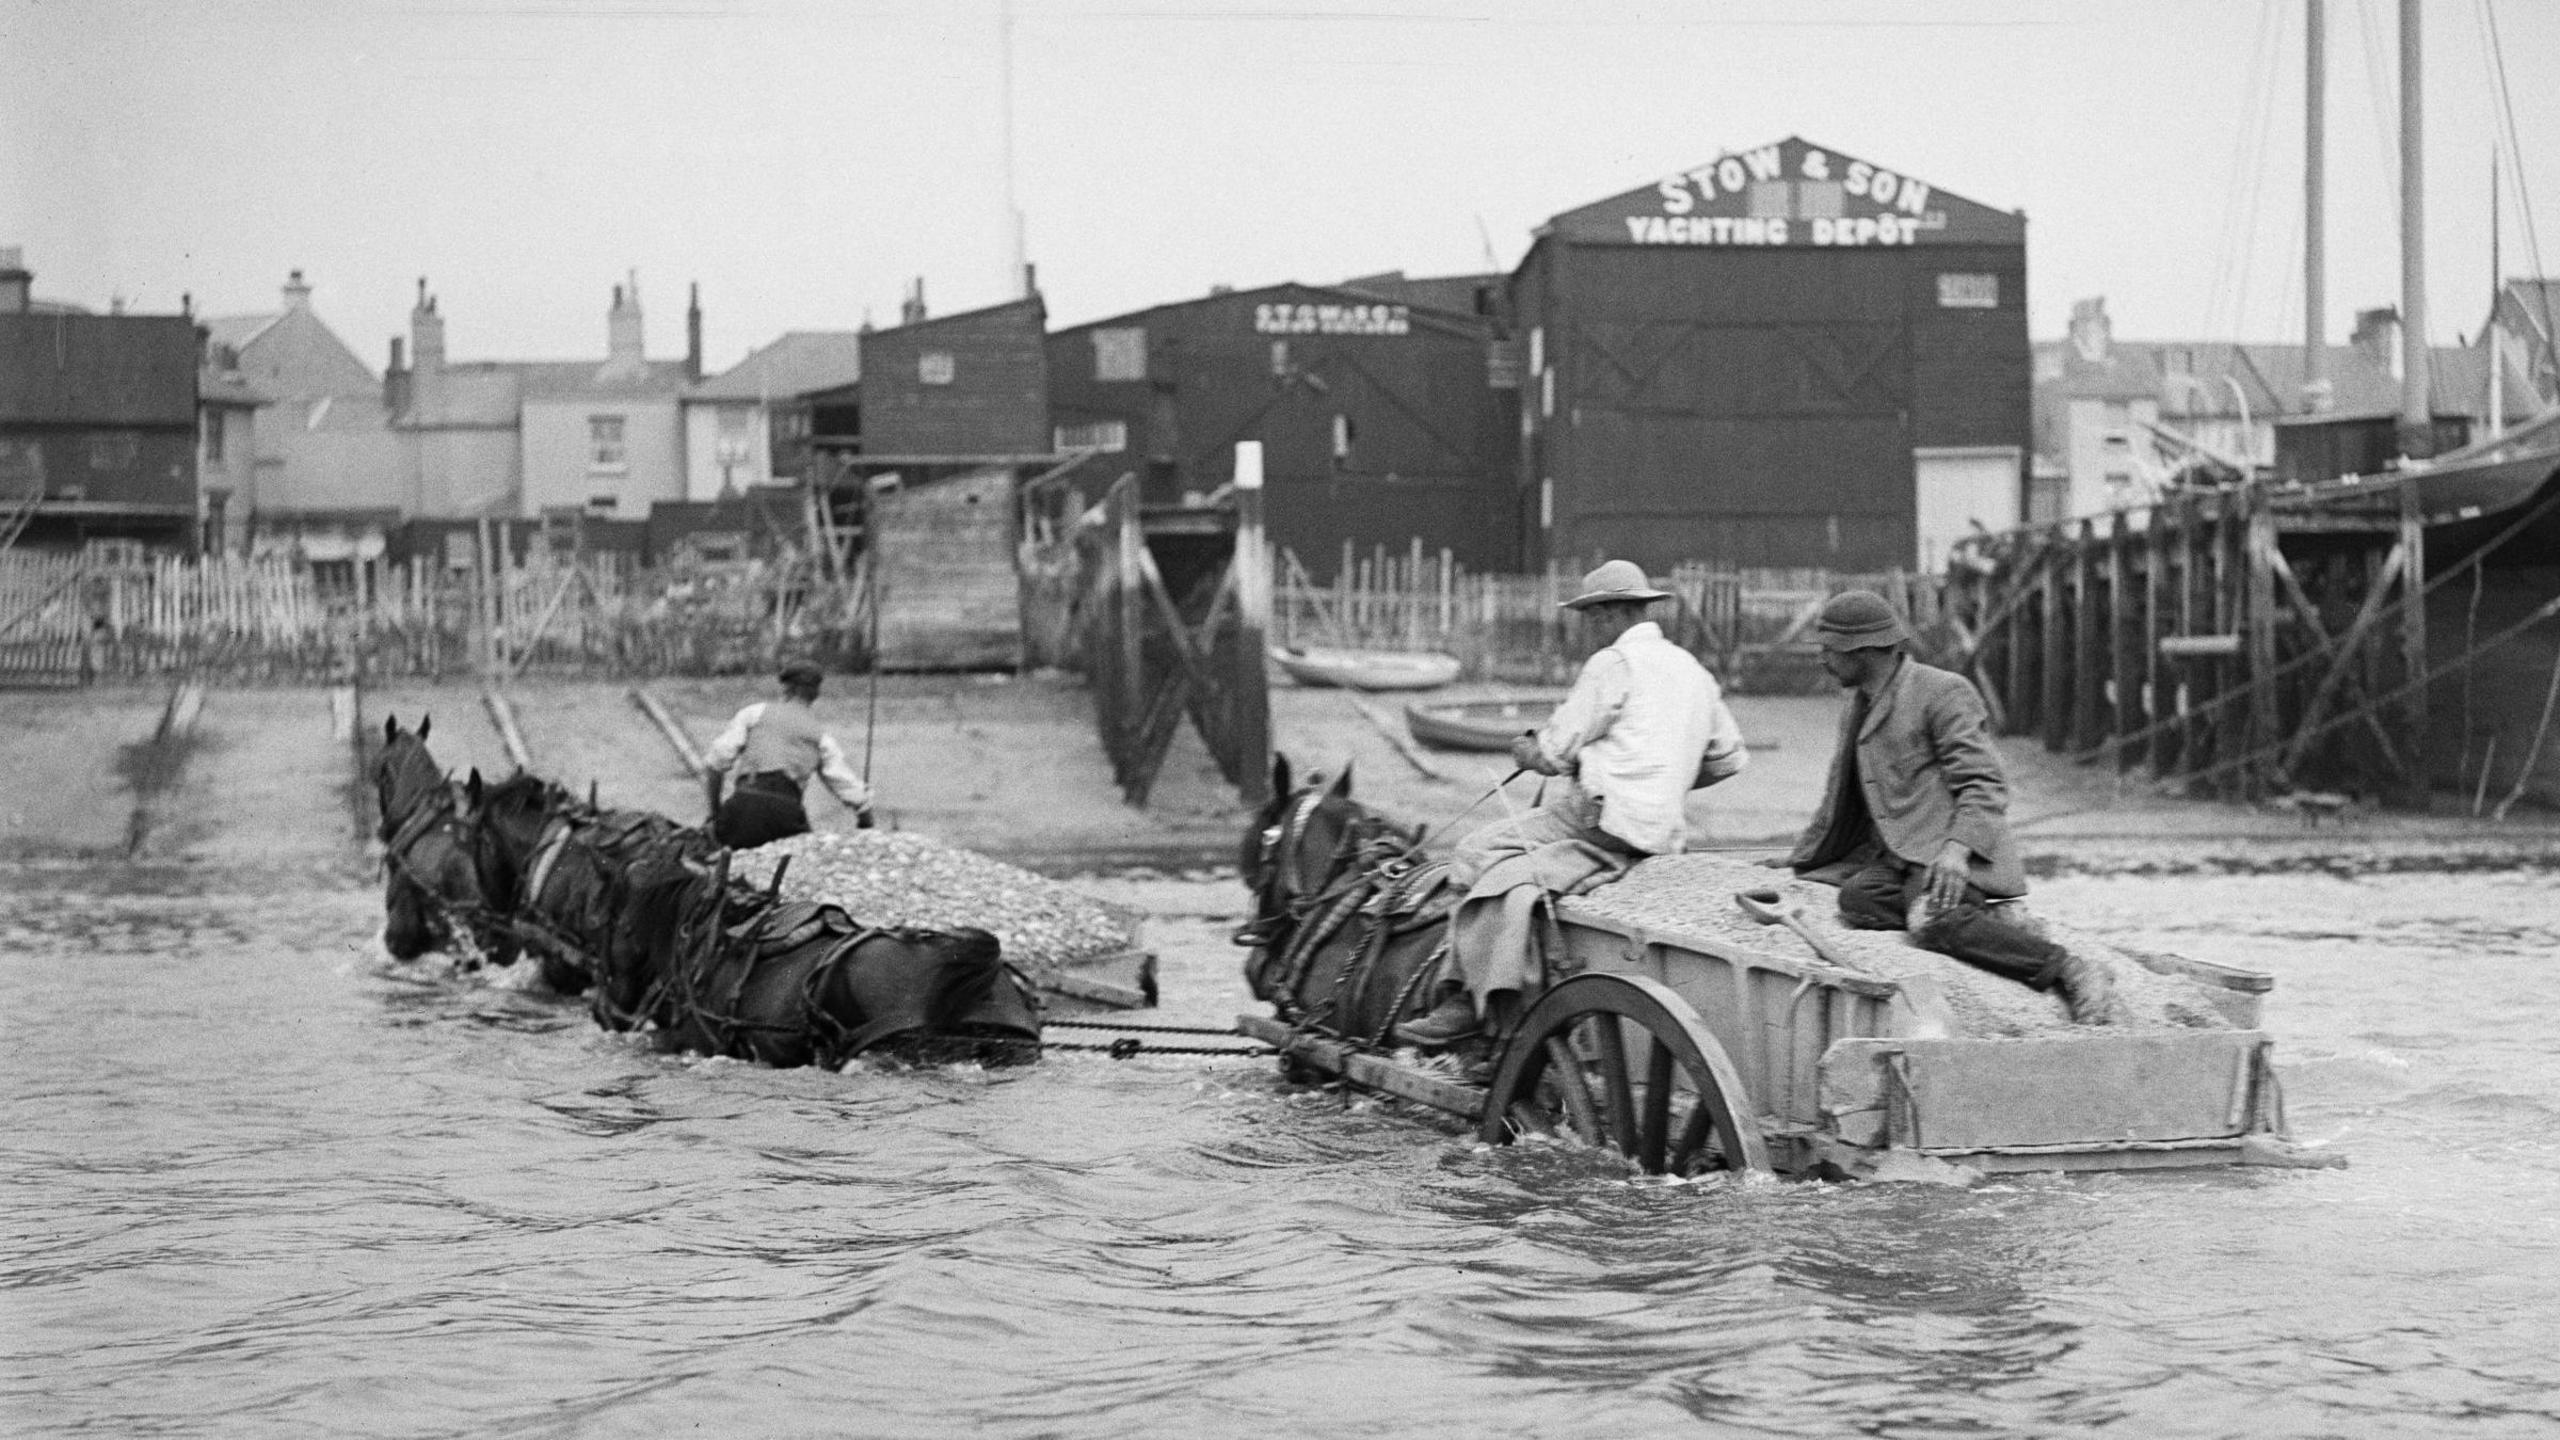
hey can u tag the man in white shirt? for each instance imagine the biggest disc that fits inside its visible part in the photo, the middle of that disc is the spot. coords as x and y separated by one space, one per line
1643 726
775 748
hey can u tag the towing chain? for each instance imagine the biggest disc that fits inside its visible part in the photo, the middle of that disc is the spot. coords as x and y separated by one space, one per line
1129 1046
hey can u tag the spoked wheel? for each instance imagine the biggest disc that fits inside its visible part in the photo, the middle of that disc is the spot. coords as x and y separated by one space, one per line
1623 1062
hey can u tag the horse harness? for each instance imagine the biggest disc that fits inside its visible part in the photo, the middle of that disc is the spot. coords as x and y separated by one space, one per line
768 936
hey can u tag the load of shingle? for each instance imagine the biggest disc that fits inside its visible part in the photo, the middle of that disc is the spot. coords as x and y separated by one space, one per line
1693 894
890 878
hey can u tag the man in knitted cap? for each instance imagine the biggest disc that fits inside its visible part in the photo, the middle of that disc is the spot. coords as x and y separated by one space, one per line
1914 824
776 747
1643 726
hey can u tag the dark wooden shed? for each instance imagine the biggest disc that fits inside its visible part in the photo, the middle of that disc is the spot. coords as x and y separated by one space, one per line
97 429
1382 421
1784 357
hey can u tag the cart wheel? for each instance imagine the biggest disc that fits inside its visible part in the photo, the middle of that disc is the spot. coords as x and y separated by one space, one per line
1622 1061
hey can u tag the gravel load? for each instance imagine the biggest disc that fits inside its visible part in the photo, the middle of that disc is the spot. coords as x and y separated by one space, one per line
1693 894
890 877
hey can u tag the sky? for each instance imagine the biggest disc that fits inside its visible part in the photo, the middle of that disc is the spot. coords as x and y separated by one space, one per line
806 161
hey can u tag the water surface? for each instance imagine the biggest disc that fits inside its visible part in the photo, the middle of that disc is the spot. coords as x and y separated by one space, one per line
260 1181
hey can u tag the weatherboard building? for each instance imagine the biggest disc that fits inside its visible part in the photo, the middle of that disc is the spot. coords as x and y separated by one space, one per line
1785 357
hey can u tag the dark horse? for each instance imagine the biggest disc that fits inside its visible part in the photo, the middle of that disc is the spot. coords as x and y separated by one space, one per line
432 890
722 968
548 863
1350 922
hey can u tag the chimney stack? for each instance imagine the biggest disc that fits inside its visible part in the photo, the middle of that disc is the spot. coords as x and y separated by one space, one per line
693 333
297 295
16 282
624 336
2092 333
2375 335
395 382
426 331
911 309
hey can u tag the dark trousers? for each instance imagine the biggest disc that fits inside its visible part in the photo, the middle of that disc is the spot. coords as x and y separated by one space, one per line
764 808
1880 897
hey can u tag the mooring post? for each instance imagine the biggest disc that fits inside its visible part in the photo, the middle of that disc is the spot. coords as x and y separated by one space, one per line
1249 695
2413 643
2262 637
2054 710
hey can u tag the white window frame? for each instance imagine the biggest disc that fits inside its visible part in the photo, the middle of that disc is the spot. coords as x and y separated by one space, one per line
608 450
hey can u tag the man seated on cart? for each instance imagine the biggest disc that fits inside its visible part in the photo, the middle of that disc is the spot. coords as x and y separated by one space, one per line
1643 726
1914 824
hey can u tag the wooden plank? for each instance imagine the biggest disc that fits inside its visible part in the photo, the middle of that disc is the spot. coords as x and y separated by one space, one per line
502 713
674 731
1367 1071
2089 665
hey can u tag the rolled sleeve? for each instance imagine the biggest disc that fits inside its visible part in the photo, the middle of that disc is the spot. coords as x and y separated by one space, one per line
1960 740
839 777
1588 710
1726 756
732 742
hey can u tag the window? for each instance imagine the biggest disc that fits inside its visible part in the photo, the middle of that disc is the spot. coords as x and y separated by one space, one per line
604 443
1109 436
115 450
1342 436
213 426
936 367
1120 353
603 504
1969 292
1280 358
734 420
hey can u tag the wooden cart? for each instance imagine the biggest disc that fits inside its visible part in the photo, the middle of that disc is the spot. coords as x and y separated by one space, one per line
1690 1052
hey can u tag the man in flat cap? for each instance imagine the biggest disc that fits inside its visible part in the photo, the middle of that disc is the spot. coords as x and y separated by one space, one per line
1642 727
775 747
1914 825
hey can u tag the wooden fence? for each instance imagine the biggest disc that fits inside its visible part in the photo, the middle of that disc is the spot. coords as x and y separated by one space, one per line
67 620
1753 628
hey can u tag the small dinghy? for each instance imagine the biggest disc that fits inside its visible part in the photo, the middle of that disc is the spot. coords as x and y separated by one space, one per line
1489 725
1367 669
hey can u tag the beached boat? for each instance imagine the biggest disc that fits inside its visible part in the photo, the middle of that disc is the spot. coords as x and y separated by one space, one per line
1488 725
1367 669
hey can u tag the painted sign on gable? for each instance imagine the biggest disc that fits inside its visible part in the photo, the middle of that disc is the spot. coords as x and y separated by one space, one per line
1791 193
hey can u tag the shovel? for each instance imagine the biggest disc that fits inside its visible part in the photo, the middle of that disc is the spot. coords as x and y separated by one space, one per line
1772 907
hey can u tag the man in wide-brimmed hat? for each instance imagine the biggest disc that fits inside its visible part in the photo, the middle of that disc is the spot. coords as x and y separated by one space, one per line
1643 726
775 748
1914 825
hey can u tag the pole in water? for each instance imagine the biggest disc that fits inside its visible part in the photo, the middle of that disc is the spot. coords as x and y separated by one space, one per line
871 584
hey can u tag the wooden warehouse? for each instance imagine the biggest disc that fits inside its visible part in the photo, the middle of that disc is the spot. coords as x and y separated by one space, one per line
953 414
1784 357
1381 420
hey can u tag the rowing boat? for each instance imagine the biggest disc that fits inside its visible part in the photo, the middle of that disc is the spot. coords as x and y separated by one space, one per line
1367 669
1488 725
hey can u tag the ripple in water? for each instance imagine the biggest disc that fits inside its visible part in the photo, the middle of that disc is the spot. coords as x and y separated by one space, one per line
262 1182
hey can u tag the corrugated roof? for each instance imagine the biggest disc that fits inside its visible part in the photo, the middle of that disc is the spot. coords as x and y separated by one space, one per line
800 362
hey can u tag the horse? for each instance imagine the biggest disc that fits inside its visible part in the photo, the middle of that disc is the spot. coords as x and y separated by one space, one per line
548 863
1350 927
432 892
721 968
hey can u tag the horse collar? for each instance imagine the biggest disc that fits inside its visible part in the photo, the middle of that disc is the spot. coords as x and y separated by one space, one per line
546 854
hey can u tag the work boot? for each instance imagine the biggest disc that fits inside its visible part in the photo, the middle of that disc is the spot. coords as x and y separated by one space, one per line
1450 1021
2090 988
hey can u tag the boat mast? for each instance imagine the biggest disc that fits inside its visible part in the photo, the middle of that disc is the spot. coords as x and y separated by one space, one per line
2417 422
2315 298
